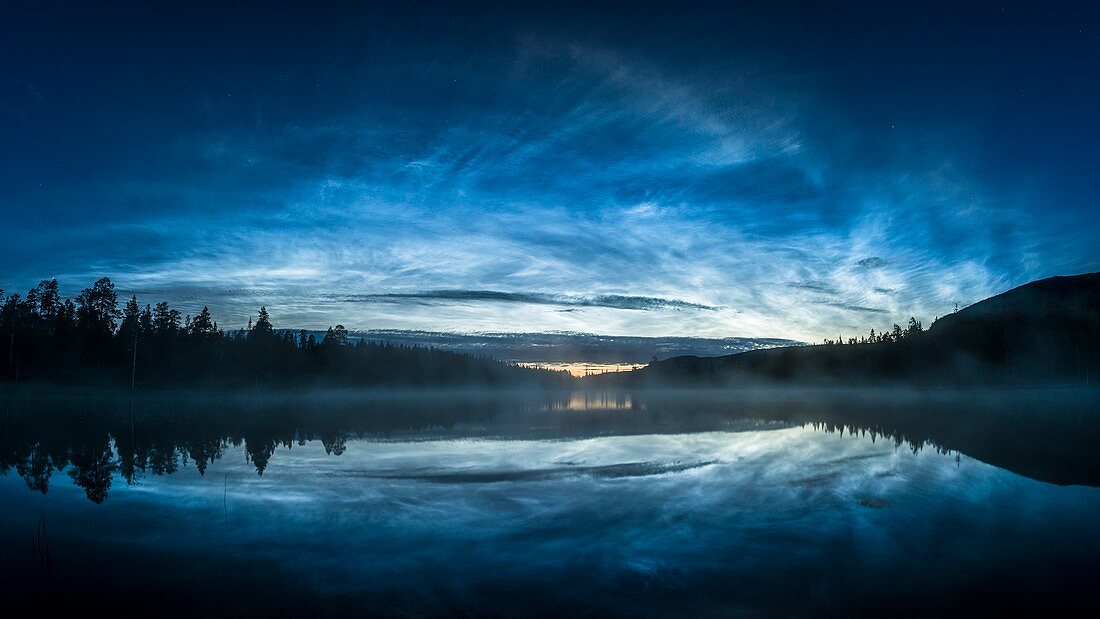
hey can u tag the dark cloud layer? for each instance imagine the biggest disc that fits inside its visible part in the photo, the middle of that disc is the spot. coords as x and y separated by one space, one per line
613 301
874 262
859 308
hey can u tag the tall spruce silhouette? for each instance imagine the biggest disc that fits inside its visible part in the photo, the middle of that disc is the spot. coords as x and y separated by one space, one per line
91 341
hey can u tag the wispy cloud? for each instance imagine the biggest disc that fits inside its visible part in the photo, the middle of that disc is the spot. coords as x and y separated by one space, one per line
613 301
555 183
821 287
859 308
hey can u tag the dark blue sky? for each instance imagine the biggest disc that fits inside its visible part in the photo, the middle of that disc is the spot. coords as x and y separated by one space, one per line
702 169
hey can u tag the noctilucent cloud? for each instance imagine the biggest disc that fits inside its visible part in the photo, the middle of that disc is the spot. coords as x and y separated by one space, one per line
697 170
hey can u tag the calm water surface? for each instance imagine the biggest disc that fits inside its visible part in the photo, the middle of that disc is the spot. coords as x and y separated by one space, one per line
587 503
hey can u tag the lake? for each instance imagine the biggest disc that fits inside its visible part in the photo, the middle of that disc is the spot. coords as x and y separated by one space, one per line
789 503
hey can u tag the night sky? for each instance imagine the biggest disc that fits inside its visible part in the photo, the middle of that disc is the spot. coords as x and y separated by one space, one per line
705 170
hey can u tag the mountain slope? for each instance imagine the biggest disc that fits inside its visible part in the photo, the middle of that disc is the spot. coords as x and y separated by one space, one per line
1047 331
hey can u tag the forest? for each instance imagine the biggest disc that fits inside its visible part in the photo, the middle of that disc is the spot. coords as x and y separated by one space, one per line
92 341
1047 331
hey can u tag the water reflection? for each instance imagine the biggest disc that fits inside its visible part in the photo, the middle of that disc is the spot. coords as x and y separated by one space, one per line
1047 436
594 401
623 504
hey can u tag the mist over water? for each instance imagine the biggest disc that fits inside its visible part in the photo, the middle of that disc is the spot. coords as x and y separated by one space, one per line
530 503
502 309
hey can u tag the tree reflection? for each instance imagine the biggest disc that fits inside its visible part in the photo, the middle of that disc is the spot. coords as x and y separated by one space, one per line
92 467
259 452
204 451
36 469
335 444
1051 437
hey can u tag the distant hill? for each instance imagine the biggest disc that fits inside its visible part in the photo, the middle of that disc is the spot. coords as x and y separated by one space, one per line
1044 332
567 346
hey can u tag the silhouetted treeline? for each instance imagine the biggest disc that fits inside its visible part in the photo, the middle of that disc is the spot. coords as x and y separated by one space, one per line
1044 332
93 341
897 334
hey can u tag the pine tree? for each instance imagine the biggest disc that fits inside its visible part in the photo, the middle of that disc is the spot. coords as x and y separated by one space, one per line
335 336
97 309
131 317
914 329
263 323
145 321
166 321
49 299
203 326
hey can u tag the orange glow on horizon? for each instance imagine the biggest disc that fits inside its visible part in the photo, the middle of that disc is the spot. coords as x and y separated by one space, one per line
581 368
